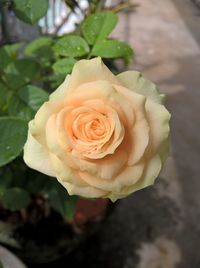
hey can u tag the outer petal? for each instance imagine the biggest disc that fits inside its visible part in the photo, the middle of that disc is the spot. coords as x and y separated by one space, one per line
71 181
61 91
86 71
87 192
38 124
150 174
136 82
36 156
129 176
158 118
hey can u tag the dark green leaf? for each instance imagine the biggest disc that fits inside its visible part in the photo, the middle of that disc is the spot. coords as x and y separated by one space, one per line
19 108
71 46
59 200
8 53
98 26
15 199
64 66
4 58
5 178
13 49
30 11
112 49
3 95
1 264
20 72
13 136
36 182
40 47
27 101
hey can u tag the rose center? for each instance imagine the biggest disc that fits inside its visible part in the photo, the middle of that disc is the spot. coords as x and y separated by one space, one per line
93 132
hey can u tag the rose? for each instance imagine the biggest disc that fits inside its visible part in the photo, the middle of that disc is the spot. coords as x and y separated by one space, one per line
101 135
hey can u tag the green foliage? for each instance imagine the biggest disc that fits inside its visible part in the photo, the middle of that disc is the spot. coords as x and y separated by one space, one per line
40 47
98 26
27 101
8 53
1 264
71 46
3 95
20 72
5 59
112 49
60 201
15 198
13 136
64 66
30 11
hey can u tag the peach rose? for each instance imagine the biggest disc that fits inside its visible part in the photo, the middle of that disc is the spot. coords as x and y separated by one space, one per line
100 135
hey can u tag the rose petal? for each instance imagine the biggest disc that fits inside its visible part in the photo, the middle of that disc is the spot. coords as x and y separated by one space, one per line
151 172
158 118
139 134
37 157
38 124
128 176
135 81
86 71
72 183
56 145
61 92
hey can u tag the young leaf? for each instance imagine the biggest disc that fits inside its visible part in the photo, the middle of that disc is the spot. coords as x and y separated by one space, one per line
15 199
27 101
72 46
98 26
64 66
13 136
112 49
30 11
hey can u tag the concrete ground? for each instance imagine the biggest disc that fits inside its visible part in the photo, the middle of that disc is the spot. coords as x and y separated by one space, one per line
159 227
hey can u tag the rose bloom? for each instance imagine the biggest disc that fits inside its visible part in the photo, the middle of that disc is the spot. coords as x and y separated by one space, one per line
99 134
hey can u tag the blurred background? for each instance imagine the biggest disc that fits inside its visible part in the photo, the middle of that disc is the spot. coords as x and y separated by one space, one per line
158 227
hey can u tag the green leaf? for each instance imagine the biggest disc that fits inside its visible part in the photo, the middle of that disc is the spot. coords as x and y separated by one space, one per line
4 58
64 66
15 199
39 47
27 101
60 201
13 136
113 49
20 72
1 264
98 26
30 11
35 182
5 178
8 53
72 46
3 94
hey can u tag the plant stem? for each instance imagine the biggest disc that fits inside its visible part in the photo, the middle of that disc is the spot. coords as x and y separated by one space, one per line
100 5
4 24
